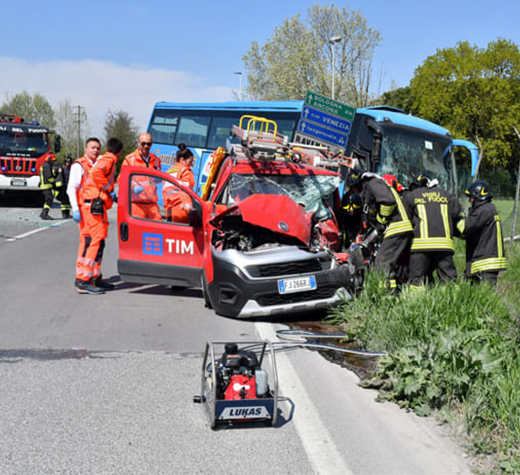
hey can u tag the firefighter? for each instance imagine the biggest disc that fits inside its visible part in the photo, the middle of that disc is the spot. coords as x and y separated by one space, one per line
351 219
482 230
177 204
434 214
144 191
53 185
387 215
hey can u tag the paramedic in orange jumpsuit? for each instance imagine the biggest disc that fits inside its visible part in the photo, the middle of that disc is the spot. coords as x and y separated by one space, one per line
177 204
96 183
144 190
79 173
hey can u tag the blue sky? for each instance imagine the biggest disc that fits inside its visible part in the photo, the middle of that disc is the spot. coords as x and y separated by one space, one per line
130 54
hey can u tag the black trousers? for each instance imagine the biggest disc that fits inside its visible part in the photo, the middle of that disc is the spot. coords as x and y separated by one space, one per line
423 264
60 194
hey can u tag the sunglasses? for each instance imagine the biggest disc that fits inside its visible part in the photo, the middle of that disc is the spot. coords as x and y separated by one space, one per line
146 144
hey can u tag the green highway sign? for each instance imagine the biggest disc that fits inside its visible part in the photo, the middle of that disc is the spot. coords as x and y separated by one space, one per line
326 104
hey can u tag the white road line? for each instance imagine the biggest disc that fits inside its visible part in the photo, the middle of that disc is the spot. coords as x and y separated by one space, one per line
317 442
34 231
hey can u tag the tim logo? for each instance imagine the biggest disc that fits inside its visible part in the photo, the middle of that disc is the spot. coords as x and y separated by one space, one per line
153 244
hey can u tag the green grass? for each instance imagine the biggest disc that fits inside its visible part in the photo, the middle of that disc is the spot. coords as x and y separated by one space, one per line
452 349
505 210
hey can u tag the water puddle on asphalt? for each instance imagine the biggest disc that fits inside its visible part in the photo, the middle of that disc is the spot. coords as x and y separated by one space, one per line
16 356
363 365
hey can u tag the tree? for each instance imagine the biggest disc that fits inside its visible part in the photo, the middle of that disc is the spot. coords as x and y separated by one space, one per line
70 128
298 58
121 124
474 92
30 108
401 98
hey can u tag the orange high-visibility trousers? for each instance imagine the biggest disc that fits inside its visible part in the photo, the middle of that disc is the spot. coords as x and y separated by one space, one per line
177 207
146 211
93 230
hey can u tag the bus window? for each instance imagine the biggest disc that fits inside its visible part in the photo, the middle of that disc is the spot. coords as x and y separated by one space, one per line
193 130
220 130
163 126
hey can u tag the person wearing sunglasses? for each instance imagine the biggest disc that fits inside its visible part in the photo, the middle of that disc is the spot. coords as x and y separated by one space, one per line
144 190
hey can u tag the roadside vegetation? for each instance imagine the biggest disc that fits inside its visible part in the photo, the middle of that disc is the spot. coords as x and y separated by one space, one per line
453 351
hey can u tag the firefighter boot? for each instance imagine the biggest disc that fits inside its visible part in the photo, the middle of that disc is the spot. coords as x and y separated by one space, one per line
45 214
65 213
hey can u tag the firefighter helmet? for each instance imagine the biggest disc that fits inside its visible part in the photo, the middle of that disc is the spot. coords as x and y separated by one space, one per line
420 180
479 190
354 177
392 181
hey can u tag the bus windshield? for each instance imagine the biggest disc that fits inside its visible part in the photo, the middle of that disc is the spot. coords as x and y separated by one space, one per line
23 144
407 151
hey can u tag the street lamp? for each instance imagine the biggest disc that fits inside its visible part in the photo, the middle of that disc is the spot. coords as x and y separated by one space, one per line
240 90
333 41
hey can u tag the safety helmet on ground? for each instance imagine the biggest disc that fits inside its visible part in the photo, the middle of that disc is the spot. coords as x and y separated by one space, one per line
480 190
392 181
421 179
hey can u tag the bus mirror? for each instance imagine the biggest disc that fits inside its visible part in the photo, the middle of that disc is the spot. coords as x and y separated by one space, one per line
378 136
57 144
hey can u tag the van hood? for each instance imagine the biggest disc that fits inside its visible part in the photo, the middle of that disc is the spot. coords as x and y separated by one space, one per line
276 213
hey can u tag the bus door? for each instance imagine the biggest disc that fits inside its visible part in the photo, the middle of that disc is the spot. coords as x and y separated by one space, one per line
160 241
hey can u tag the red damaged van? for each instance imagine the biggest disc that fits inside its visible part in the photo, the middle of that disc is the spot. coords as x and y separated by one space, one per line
265 242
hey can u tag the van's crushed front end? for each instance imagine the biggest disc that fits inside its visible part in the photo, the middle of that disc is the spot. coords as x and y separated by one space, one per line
269 258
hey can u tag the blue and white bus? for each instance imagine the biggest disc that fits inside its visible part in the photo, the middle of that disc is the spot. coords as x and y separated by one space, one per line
382 139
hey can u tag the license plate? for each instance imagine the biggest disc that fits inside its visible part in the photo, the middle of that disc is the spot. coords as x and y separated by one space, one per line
18 182
298 284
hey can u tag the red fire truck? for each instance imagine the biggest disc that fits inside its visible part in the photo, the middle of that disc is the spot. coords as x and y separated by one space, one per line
23 148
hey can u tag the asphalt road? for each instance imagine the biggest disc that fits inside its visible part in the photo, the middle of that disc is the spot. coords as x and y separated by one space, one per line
104 384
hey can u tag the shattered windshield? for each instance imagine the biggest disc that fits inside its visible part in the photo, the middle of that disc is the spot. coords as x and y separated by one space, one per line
405 152
311 191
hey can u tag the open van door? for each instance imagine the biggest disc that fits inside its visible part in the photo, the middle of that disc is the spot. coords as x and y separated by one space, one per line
161 227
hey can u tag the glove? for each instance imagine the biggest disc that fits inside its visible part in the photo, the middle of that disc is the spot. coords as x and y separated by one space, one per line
113 196
76 216
380 229
138 189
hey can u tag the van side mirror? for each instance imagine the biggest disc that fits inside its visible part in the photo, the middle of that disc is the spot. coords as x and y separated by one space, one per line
194 217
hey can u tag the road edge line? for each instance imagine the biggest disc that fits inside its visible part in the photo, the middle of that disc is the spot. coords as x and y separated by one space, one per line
317 442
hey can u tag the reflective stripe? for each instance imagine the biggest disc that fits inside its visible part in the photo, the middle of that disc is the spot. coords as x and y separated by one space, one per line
380 219
445 219
386 211
417 288
399 228
403 226
421 211
500 243
432 244
492 263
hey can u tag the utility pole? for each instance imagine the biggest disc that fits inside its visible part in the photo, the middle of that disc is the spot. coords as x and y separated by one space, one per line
333 41
79 112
